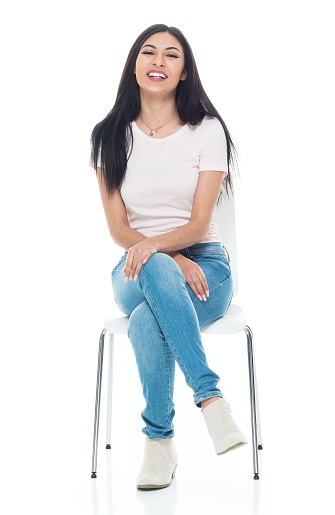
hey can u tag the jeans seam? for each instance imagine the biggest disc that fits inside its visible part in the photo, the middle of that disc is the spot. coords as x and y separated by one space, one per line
219 253
168 382
166 335
220 284
231 298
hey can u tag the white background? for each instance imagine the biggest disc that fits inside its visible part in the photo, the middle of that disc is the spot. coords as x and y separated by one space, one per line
268 69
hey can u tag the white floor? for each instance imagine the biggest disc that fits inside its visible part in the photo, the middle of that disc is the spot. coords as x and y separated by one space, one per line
46 456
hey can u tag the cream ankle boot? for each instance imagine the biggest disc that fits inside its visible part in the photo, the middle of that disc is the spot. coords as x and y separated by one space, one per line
159 464
224 432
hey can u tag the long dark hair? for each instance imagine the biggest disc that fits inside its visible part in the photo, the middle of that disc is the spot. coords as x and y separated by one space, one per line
109 138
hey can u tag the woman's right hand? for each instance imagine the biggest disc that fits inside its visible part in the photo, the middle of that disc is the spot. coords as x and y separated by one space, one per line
194 276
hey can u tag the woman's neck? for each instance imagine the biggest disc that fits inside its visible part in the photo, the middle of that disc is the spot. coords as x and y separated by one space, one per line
156 111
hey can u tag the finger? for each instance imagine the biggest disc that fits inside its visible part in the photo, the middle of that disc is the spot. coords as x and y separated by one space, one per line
203 280
194 288
148 255
129 268
197 279
138 268
141 262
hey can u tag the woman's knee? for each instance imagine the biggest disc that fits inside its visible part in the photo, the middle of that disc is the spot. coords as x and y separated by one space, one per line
146 338
161 266
159 259
142 323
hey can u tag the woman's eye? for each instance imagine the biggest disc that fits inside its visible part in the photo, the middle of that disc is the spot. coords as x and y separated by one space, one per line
151 53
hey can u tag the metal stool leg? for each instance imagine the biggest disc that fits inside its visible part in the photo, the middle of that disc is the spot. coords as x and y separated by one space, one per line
110 392
253 401
97 404
259 430
258 418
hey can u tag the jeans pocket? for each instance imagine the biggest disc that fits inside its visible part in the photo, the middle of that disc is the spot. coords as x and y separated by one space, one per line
221 257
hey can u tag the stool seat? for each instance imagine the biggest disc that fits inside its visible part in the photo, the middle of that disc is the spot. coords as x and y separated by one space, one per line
232 322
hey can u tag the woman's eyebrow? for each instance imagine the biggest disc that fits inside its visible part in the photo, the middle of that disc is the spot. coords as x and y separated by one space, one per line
167 48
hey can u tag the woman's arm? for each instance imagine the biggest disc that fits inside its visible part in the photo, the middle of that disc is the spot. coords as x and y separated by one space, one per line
117 220
128 238
195 230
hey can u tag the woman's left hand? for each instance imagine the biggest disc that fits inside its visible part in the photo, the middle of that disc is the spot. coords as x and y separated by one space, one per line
137 255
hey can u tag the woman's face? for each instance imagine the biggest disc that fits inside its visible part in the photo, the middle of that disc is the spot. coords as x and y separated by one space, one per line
160 53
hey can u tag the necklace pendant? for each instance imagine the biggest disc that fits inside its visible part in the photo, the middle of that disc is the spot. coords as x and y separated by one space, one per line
151 133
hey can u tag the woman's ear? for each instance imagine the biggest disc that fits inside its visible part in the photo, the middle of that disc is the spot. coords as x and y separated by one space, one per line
183 75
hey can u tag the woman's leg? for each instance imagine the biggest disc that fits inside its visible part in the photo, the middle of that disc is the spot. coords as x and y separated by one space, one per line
163 286
216 268
156 366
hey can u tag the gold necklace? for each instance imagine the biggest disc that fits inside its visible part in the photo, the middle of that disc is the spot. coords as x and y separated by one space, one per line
151 130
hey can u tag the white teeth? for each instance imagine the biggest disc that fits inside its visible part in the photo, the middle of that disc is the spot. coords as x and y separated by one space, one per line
156 75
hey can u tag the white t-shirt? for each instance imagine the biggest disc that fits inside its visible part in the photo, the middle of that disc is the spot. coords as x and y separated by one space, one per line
162 176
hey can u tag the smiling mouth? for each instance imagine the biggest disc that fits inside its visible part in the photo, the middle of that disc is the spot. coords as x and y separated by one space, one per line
153 75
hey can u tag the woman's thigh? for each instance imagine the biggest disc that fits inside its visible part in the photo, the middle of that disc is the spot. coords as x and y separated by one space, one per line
218 275
161 271
126 295
217 271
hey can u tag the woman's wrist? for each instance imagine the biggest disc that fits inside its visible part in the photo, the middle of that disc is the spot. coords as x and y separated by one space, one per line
174 254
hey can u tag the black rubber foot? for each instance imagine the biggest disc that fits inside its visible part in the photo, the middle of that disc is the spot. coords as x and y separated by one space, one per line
260 447
108 446
93 475
256 476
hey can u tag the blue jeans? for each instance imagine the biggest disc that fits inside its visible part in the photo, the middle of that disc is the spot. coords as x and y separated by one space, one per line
164 327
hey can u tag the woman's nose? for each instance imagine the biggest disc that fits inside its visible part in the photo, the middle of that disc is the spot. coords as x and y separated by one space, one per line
159 59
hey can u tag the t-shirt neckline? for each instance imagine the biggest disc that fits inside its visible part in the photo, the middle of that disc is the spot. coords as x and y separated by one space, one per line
146 136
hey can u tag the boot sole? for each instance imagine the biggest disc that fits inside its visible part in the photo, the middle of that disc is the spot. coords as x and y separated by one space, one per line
157 487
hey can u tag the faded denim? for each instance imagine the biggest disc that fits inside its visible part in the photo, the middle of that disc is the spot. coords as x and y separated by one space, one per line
164 327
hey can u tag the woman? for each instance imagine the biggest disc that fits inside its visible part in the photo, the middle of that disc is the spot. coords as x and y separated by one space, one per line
174 276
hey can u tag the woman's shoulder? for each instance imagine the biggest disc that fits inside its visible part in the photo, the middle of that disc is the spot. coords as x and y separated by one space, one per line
209 134
207 123
208 127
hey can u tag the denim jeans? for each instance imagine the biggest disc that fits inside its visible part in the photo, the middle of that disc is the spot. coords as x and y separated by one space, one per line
164 327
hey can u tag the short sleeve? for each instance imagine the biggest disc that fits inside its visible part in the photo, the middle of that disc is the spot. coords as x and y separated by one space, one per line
212 146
